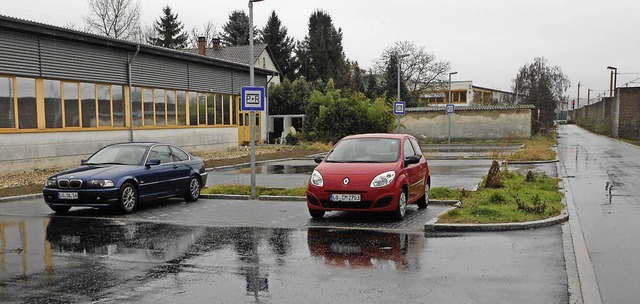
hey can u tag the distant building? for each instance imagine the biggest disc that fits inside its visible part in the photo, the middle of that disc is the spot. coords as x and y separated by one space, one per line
464 93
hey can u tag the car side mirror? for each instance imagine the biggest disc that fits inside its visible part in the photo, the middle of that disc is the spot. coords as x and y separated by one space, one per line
83 161
153 162
410 160
318 159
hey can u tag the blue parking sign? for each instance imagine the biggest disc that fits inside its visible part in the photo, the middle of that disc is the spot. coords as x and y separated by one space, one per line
252 99
450 109
399 108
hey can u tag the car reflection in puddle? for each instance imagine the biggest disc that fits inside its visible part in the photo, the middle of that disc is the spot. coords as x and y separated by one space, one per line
280 169
366 249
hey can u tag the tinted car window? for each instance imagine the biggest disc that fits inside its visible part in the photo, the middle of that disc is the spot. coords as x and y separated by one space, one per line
416 146
408 149
162 153
179 155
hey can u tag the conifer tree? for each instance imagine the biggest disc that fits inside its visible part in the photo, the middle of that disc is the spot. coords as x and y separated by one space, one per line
168 31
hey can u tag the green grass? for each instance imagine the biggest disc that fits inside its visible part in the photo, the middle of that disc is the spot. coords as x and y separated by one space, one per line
246 190
444 193
537 148
501 205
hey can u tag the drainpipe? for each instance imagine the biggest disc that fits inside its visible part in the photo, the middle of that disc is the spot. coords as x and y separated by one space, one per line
268 125
130 89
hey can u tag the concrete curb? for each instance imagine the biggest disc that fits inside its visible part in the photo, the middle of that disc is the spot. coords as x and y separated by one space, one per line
245 165
532 162
20 197
260 198
432 226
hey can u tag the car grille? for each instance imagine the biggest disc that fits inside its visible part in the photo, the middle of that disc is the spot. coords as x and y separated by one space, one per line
66 183
346 205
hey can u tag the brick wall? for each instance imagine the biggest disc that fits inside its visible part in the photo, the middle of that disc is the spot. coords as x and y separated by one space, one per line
629 118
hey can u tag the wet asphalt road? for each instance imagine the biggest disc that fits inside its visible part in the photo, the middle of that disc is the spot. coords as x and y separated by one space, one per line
610 223
226 251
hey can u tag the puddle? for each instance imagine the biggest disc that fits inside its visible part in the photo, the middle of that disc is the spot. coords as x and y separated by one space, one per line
280 169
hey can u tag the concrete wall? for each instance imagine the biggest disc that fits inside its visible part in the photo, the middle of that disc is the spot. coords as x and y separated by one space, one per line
469 123
26 151
623 111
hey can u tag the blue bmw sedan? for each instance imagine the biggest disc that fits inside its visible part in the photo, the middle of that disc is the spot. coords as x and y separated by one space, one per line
122 175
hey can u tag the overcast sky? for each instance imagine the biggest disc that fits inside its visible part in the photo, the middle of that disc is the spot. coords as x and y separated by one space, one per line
484 41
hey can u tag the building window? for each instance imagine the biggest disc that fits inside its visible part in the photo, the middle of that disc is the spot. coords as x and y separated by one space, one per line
202 109
88 105
136 106
181 108
171 107
160 108
227 109
27 106
193 109
219 110
52 104
104 105
211 110
7 103
147 107
117 98
71 104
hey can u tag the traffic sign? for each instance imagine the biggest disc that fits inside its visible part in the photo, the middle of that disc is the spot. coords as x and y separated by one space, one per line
252 99
450 109
399 108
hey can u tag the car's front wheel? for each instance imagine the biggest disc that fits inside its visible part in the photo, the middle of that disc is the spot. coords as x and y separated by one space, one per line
194 190
401 210
128 198
316 214
60 209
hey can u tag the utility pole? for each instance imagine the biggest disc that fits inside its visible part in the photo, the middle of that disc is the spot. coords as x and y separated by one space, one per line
578 99
588 96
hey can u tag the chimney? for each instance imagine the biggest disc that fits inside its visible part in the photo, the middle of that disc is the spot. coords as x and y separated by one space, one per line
202 46
215 42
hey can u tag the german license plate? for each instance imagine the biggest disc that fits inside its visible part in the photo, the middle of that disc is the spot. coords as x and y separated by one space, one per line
345 197
68 195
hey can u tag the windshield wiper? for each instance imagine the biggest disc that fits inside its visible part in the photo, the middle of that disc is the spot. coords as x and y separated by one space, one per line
105 163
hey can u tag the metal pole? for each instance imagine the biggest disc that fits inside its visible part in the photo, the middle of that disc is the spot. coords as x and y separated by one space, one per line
449 114
252 113
398 124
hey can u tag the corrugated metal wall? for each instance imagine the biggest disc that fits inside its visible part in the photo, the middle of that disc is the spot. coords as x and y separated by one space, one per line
25 54
19 54
66 59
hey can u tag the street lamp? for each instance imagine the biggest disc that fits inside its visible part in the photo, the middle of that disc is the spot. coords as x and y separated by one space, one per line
399 58
613 79
449 114
252 119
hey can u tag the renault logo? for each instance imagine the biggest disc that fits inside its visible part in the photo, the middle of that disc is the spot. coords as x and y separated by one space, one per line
345 181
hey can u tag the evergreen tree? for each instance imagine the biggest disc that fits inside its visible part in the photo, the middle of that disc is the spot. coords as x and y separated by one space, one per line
321 55
372 90
280 44
168 31
236 31
391 81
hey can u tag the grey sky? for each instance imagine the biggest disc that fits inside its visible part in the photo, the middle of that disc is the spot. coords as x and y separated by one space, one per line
485 41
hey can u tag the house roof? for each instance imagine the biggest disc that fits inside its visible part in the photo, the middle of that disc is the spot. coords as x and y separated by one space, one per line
237 54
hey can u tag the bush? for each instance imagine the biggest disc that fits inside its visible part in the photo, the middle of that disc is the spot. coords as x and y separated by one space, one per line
291 139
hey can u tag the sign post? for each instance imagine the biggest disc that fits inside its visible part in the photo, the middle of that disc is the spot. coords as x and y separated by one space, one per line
399 109
253 100
450 110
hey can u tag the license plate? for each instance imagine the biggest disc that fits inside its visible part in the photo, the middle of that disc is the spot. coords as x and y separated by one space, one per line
68 195
345 197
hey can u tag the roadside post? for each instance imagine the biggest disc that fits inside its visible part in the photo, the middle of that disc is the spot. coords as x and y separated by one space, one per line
399 109
253 100
450 110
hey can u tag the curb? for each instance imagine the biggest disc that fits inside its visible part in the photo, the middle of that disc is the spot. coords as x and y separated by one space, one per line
431 225
245 165
533 162
260 198
20 197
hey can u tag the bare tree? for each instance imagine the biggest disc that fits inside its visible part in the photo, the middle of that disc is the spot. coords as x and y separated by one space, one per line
209 30
420 69
118 19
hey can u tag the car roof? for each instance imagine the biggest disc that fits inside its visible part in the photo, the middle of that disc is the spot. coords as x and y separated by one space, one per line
146 144
378 135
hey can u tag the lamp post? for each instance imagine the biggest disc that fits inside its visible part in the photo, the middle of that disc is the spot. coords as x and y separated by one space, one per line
399 58
252 119
613 79
449 114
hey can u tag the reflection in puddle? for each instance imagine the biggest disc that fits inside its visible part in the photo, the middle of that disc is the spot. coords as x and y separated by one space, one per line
280 169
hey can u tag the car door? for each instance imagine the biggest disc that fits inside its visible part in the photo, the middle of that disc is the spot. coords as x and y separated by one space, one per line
182 165
412 171
424 166
157 180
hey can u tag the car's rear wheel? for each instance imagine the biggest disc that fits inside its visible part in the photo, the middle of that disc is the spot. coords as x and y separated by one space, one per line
401 210
60 209
423 202
194 190
316 214
128 198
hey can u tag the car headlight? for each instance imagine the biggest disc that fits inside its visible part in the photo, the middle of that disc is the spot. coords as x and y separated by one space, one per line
101 183
383 179
316 179
50 182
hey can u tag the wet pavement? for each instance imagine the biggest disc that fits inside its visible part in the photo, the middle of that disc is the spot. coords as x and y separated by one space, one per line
81 260
463 173
593 165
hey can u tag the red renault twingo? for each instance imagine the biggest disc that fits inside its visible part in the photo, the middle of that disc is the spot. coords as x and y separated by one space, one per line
370 173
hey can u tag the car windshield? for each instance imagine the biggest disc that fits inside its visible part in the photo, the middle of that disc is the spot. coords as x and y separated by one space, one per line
365 150
119 154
